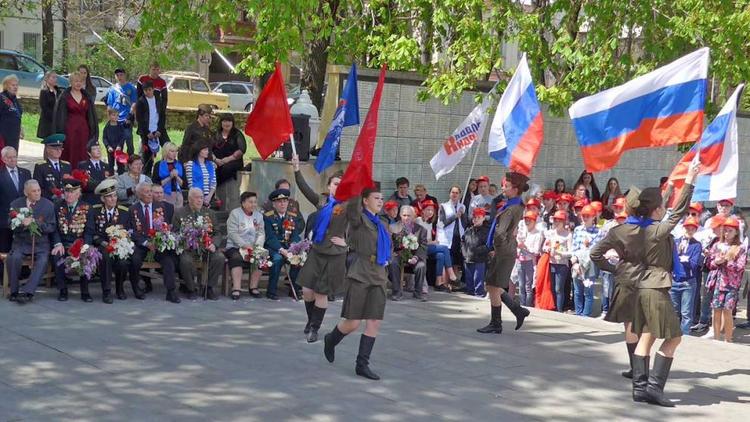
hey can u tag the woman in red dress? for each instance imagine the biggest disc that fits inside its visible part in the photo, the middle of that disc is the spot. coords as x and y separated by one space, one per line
75 116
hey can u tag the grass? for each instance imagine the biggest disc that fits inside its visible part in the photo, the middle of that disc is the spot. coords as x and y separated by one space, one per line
29 123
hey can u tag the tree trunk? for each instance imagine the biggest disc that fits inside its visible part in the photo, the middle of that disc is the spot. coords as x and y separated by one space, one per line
48 34
314 74
65 46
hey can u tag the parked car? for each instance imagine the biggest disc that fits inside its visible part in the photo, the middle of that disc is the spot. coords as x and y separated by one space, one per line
30 72
241 94
189 89
102 86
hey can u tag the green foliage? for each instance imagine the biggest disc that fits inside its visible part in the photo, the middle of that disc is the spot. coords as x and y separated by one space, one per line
103 61
574 47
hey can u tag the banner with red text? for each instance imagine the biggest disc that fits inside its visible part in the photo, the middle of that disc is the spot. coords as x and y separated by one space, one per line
459 143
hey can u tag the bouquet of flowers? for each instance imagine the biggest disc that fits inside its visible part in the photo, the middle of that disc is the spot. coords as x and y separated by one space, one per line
409 244
82 176
258 257
120 245
195 234
82 259
163 239
17 217
298 252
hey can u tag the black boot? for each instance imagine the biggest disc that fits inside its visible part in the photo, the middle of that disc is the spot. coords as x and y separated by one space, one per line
149 287
631 350
120 290
107 297
172 296
138 292
316 319
496 322
330 341
308 308
63 296
363 358
657 379
519 311
640 378
85 296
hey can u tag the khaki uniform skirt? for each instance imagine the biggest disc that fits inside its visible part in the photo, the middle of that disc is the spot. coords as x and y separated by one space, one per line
323 274
363 300
499 271
622 305
655 314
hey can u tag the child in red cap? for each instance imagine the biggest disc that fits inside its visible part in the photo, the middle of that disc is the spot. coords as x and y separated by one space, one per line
529 249
475 253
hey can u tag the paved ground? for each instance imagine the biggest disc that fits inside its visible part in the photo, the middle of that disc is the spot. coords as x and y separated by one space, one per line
225 361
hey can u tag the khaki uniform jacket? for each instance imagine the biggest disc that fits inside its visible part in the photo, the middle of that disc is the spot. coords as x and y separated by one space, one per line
659 244
337 226
504 241
363 241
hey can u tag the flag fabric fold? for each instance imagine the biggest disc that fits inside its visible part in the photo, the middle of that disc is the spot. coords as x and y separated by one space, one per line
460 142
662 107
270 123
347 114
517 129
358 174
720 183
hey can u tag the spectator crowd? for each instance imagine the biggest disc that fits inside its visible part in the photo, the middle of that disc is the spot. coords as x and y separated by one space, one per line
75 194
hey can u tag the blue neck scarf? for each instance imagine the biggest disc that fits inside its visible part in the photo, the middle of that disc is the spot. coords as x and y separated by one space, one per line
164 173
384 238
511 202
677 269
324 220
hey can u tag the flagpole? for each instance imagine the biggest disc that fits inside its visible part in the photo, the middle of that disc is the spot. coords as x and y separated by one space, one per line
291 140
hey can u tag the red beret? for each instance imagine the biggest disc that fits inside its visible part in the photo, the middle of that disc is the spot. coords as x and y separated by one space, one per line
479 212
389 205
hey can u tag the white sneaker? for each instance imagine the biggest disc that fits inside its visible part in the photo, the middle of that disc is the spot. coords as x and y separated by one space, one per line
709 335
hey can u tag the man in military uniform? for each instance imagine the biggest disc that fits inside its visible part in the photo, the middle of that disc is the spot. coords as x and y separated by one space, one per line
283 228
44 213
70 214
101 217
190 215
49 173
145 214
96 170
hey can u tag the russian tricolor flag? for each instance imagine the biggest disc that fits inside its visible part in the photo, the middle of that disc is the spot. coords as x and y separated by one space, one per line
663 107
517 130
721 135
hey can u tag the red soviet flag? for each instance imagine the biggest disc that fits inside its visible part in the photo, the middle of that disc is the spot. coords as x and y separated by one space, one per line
358 174
270 123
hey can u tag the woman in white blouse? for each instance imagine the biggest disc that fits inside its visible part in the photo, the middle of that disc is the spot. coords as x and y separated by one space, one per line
244 230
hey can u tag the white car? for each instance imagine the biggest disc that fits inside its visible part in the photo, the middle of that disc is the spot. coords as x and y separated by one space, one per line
241 94
102 87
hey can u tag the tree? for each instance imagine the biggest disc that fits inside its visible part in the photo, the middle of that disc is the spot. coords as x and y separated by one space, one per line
575 47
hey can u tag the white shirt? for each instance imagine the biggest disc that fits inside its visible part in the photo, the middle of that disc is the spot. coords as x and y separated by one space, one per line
153 115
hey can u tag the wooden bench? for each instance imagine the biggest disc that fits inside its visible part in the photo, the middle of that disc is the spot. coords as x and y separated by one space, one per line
47 278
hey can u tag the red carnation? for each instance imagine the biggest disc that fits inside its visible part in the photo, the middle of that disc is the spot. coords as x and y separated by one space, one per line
207 241
13 214
81 175
75 249
56 192
151 233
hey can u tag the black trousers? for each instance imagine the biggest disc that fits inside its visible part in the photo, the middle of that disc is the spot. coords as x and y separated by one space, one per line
149 157
168 261
6 241
109 266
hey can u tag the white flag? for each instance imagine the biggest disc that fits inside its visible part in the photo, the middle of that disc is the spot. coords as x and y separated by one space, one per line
459 143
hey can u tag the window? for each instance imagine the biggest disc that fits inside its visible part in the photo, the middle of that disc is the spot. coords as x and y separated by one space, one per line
25 64
199 86
181 84
232 89
32 44
8 62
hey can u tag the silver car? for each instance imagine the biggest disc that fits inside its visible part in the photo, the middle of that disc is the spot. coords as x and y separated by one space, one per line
241 94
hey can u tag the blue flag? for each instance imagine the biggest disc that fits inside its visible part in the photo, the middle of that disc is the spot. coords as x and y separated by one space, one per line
347 114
